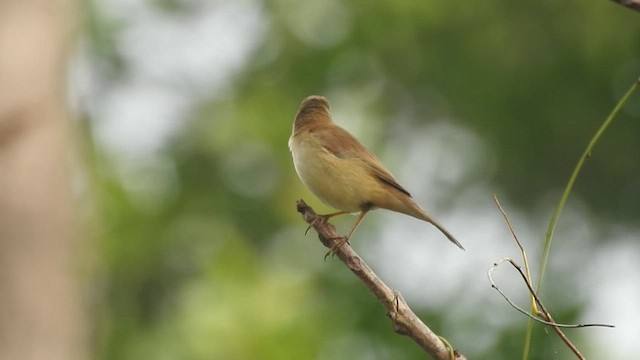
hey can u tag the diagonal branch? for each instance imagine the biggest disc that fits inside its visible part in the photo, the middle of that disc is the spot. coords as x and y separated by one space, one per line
631 4
403 320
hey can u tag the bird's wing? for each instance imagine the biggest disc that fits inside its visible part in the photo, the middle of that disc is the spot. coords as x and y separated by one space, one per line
382 174
354 150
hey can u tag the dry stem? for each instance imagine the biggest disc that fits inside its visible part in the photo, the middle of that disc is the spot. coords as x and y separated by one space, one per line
403 320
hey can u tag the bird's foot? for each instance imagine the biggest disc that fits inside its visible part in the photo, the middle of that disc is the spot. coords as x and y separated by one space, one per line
319 219
340 241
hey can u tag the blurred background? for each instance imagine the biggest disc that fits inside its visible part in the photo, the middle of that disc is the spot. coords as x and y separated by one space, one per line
147 194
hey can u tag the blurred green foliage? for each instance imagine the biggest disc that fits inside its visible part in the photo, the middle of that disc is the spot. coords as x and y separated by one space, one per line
207 259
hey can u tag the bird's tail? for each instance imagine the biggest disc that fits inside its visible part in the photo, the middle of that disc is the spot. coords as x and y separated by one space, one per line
419 213
445 232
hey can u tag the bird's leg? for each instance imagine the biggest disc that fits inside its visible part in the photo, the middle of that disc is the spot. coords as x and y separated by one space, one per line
324 218
345 239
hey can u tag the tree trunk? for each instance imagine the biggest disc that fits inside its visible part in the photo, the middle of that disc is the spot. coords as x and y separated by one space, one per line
41 311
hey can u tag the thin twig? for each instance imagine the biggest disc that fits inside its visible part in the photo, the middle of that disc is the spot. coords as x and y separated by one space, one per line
543 321
542 315
534 306
403 319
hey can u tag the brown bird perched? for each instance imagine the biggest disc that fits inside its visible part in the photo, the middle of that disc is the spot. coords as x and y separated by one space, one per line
342 172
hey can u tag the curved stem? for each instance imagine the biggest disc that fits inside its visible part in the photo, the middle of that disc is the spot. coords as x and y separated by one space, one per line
563 200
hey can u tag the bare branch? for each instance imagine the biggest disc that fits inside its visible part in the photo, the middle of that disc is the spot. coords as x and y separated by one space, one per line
534 305
542 315
403 320
532 292
631 4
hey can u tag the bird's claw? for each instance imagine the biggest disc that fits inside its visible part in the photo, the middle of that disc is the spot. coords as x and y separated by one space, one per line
340 241
318 218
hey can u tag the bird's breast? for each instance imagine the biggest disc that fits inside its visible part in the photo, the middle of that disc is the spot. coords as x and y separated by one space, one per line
342 183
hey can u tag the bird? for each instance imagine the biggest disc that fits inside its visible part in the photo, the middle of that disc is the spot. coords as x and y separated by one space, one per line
343 173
